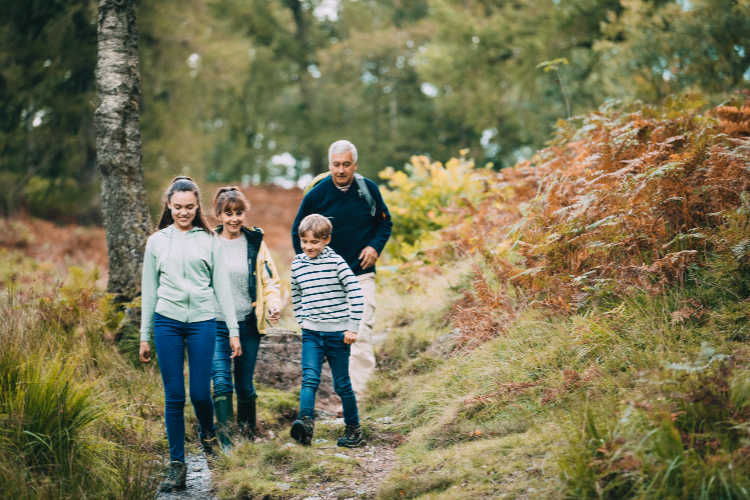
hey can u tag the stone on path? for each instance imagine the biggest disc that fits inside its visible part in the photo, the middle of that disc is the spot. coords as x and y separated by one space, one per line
279 366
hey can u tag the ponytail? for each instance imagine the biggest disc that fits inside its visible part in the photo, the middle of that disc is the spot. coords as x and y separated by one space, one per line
229 197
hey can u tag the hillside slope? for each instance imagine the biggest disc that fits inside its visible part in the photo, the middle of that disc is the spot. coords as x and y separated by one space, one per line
596 344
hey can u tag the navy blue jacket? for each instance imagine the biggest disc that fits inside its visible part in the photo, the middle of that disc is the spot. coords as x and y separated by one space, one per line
353 226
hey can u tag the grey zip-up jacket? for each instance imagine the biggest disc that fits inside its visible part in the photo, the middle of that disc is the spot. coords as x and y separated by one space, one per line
184 277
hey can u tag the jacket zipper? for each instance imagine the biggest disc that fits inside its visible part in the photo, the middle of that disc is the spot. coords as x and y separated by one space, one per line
184 278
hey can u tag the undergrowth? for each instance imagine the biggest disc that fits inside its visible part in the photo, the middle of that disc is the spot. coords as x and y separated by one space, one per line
76 421
596 345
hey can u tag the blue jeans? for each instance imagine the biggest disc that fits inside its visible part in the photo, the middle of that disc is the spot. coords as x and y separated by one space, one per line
244 366
171 337
329 345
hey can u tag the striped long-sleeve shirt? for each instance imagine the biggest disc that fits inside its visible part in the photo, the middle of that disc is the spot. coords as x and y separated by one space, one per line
325 293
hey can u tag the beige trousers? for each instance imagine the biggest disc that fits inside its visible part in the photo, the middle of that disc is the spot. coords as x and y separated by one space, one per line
362 358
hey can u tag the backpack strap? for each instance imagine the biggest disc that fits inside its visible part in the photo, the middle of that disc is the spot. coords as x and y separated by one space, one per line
364 192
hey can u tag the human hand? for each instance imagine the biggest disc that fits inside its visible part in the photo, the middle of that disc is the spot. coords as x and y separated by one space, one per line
367 257
273 315
234 344
350 337
145 352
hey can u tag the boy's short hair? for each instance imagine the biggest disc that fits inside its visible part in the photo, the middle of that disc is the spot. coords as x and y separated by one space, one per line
319 225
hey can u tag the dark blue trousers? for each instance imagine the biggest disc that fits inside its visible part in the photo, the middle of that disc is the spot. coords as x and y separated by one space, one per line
317 346
244 366
171 338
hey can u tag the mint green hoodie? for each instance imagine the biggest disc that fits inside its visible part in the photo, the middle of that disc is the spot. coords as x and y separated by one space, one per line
184 277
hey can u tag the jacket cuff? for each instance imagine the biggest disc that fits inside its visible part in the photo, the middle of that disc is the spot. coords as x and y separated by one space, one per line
377 246
352 326
145 336
234 331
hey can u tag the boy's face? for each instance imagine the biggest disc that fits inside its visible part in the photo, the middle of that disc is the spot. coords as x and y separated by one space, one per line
312 245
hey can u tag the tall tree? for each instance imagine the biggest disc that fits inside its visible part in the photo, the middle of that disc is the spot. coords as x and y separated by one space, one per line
118 145
47 155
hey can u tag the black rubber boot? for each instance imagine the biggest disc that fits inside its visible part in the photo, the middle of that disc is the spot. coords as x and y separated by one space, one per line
352 437
302 430
175 479
224 413
246 417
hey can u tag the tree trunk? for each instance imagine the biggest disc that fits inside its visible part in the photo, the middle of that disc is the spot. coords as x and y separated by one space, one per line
118 146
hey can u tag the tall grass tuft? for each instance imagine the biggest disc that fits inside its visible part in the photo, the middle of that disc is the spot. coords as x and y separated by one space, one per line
69 425
690 439
46 415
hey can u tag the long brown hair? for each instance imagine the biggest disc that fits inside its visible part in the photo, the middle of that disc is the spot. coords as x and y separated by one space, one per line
229 197
183 183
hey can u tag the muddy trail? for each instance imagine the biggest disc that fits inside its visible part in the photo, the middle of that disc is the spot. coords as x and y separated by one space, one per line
199 481
372 462
340 473
368 466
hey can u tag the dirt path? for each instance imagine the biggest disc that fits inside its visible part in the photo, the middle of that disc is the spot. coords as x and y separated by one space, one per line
374 462
199 485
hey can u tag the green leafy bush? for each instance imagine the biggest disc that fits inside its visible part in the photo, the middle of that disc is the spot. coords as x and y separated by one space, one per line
425 198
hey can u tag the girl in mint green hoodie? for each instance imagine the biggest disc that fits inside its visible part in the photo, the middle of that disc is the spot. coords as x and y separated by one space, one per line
184 277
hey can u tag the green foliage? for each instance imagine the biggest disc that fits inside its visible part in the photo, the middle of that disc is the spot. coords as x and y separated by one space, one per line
69 425
689 439
242 83
421 198
46 127
46 416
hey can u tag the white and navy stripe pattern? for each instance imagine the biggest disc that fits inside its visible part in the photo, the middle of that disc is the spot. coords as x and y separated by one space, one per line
325 293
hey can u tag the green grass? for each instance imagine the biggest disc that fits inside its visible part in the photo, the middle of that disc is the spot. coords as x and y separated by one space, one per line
76 420
280 468
556 389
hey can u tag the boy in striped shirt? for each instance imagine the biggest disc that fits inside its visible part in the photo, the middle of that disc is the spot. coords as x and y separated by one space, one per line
328 305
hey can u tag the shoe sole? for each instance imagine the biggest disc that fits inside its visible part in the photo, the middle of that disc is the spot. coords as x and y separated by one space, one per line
358 444
298 432
171 489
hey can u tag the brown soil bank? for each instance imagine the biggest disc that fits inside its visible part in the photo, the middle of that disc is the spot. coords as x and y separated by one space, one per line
273 208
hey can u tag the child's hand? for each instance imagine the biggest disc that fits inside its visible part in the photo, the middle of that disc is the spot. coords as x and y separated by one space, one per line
234 344
145 352
273 315
350 337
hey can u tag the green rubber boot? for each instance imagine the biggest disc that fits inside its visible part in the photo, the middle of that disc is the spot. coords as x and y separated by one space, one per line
224 414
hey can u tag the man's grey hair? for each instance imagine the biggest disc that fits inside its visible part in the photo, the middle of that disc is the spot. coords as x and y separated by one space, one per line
340 147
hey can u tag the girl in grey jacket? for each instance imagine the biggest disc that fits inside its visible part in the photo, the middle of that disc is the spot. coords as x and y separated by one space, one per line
183 279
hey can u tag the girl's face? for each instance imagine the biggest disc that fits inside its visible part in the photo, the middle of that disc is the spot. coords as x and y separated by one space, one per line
184 206
232 220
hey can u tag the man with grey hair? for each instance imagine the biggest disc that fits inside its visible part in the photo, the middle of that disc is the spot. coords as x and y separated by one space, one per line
361 228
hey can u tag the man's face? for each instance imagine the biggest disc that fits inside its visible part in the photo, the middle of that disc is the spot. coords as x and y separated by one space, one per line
342 168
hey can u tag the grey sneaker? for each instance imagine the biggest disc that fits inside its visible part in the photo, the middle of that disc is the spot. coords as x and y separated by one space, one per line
302 430
352 437
175 477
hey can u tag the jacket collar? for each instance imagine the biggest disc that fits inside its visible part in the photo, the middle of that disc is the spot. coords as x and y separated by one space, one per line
171 230
323 254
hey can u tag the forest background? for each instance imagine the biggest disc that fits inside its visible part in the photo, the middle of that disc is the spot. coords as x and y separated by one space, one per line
576 315
254 91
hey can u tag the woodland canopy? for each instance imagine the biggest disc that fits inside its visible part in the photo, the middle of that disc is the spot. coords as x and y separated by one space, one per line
253 91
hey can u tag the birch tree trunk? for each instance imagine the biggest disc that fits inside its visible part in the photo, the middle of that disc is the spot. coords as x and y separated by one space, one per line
118 146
